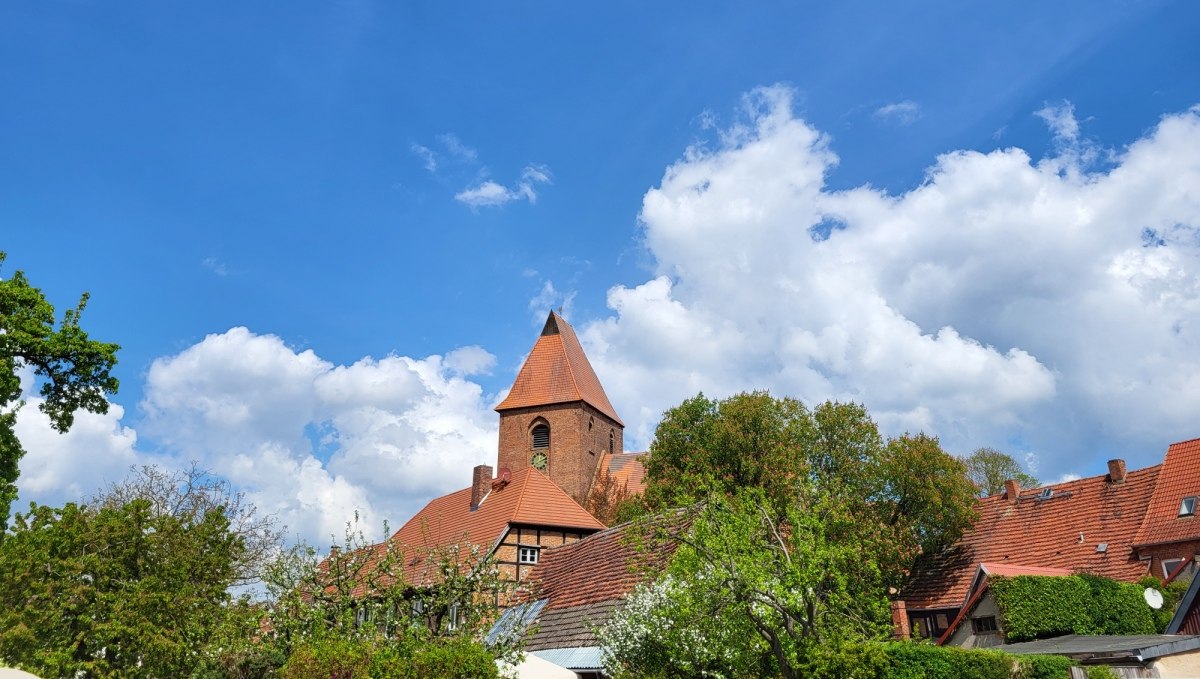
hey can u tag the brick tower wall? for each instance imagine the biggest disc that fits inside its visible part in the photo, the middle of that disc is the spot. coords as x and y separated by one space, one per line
575 449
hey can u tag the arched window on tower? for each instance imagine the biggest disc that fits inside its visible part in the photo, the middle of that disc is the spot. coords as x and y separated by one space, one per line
540 459
612 441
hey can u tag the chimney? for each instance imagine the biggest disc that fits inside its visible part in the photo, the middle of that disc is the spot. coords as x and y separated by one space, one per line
1116 471
1012 489
900 628
481 485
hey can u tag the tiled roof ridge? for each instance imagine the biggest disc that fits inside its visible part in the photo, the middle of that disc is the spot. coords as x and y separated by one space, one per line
1080 482
571 368
516 511
566 330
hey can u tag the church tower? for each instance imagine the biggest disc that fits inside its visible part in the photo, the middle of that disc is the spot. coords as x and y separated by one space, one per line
557 417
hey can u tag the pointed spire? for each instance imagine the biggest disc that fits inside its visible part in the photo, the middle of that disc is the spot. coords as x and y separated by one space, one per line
557 371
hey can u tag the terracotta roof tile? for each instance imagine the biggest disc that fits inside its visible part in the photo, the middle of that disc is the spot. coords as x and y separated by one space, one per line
600 567
529 498
557 371
584 582
1059 531
1180 478
626 468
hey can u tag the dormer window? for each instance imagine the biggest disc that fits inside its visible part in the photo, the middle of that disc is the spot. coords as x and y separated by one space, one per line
1188 506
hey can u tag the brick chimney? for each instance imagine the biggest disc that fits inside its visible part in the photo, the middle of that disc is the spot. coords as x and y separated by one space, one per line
1012 489
1116 471
481 485
900 628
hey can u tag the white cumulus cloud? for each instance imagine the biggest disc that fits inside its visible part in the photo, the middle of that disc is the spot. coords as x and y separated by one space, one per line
1003 300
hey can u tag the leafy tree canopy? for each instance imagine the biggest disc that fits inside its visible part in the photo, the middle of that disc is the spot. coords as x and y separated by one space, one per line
119 591
989 468
801 521
74 370
908 490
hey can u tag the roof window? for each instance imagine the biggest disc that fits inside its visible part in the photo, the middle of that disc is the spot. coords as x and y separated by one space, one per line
1188 506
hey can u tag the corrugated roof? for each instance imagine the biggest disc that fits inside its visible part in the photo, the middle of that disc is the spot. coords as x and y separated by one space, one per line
1045 531
1144 646
1180 478
557 371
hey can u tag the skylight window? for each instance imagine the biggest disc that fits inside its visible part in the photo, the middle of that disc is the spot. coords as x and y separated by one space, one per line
1188 506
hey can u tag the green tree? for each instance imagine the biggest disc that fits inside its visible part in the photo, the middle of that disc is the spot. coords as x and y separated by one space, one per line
118 591
74 370
188 494
357 613
989 468
801 520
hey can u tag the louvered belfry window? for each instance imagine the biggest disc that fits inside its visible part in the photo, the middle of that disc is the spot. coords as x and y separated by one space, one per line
541 437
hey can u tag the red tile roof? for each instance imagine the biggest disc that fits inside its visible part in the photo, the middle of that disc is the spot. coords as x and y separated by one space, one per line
1180 478
603 566
1059 531
626 468
557 371
529 498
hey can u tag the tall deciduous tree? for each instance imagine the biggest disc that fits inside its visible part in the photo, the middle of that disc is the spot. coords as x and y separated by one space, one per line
191 493
74 370
989 468
119 591
802 521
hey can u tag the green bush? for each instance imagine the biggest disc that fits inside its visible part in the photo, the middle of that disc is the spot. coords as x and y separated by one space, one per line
340 658
1118 607
330 659
1047 666
908 660
455 659
1035 607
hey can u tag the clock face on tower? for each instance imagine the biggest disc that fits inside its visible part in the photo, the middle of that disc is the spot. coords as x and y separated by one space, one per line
539 461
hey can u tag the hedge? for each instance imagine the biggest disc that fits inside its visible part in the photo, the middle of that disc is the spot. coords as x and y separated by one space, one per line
1035 607
913 660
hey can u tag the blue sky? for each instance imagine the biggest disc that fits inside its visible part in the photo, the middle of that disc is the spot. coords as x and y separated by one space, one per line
363 179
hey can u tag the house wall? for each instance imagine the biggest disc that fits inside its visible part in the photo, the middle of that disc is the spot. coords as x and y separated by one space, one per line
965 637
1176 550
508 550
1178 665
578 436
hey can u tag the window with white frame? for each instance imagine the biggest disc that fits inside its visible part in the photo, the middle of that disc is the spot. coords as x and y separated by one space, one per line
528 555
1188 506
1169 566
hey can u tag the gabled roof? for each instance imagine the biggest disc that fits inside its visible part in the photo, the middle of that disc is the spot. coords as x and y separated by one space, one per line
1061 530
1180 478
557 371
583 582
981 581
626 468
529 498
